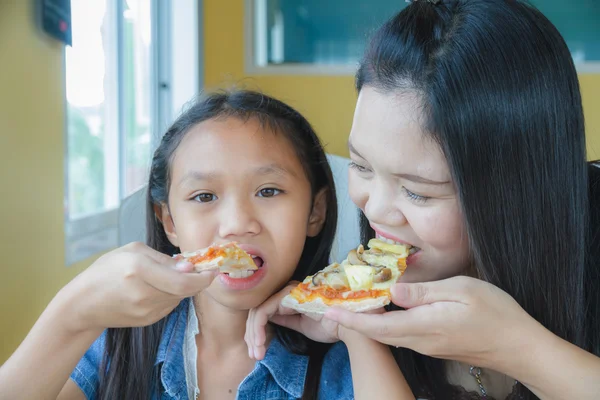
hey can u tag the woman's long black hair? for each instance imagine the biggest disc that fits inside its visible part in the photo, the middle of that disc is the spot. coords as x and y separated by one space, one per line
128 369
500 95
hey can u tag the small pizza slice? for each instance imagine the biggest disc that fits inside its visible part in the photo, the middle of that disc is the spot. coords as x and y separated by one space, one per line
360 283
227 258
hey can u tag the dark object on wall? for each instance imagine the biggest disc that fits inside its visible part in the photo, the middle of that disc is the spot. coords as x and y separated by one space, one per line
56 19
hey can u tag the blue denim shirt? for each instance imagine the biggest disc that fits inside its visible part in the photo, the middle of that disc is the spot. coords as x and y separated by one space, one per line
280 375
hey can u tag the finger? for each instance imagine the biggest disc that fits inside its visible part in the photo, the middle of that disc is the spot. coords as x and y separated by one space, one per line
259 352
265 312
261 317
409 295
289 321
249 334
382 327
157 256
173 282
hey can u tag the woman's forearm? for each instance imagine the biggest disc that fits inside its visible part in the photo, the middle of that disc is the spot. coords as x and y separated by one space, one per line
554 369
42 364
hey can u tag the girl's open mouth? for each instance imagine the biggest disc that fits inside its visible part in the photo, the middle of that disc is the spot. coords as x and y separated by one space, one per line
247 273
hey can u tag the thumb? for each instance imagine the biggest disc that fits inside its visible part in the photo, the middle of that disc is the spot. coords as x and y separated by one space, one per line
408 295
195 282
184 266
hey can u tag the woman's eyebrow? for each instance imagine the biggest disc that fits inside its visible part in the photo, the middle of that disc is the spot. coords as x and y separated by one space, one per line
352 149
420 179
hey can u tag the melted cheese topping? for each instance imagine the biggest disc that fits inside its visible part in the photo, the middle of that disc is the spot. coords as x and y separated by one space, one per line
398 249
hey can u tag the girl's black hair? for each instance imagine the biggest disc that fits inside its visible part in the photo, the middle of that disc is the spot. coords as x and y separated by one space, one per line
500 95
128 369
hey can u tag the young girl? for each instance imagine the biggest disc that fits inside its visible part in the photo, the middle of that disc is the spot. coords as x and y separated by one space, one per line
238 167
468 143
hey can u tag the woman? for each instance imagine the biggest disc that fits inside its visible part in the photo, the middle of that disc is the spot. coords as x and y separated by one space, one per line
468 142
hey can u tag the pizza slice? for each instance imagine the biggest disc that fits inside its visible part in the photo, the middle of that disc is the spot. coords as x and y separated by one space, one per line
227 258
360 283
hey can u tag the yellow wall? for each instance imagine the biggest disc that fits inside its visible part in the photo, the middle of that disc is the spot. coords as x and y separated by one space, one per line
590 91
32 267
327 102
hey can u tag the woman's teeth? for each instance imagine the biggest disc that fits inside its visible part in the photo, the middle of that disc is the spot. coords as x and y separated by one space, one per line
412 249
240 274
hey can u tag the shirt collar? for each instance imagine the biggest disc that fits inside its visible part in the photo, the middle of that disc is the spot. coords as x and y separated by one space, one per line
288 369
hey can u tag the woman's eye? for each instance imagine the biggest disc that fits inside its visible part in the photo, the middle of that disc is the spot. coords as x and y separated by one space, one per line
268 192
416 198
205 197
357 167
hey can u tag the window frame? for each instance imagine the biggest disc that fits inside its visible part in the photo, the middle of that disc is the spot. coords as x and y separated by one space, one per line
250 40
251 67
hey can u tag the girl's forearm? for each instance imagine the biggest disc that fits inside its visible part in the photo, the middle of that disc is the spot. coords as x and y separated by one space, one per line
375 374
42 364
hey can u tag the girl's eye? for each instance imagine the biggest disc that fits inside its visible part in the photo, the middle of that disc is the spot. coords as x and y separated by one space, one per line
415 198
358 167
268 192
205 197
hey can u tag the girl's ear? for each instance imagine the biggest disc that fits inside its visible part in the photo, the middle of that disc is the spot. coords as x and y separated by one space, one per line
163 214
317 217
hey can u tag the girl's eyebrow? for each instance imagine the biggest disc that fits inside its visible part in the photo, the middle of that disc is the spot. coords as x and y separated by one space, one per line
199 176
274 169
271 169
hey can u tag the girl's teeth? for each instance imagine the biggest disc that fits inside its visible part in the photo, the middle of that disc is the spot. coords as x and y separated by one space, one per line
240 274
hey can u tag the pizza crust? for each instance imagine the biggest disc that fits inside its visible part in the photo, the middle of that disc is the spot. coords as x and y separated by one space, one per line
317 306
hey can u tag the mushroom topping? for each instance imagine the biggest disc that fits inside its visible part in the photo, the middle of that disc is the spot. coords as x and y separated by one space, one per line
337 280
354 258
382 274
332 278
318 279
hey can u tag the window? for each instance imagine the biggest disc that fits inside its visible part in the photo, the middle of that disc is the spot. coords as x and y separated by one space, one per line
109 93
125 83
92 167
328 37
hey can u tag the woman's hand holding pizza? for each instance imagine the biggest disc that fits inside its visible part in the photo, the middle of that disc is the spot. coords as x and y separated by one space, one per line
459 318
